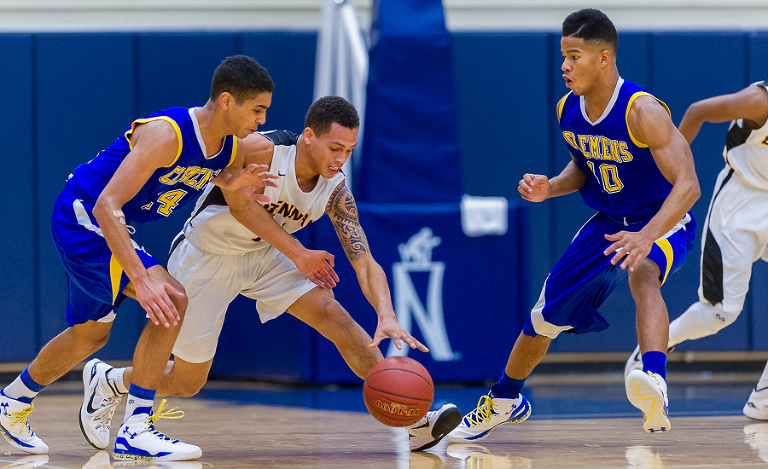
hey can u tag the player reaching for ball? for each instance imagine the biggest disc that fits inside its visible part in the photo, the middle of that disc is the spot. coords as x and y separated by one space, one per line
632 165
221 253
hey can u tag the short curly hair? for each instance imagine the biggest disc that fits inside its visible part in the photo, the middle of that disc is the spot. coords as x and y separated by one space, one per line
329 109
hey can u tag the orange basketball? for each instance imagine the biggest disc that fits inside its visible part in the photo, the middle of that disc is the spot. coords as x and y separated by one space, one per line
398 391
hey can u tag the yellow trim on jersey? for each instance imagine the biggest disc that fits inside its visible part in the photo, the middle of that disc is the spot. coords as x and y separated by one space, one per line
629 106
560 105
115 274
234 150
165 118
668 253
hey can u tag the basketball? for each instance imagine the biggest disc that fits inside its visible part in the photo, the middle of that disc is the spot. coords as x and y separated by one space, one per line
398 391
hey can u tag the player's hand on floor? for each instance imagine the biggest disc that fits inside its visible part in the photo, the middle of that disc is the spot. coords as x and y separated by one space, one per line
632 246
317 265
389 327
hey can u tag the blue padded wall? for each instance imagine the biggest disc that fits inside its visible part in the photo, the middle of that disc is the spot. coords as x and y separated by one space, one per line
17 264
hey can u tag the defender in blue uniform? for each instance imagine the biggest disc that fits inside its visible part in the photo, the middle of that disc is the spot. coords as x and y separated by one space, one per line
160 163
633 167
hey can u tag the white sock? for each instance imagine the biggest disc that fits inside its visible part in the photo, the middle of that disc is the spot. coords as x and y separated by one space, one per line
763 383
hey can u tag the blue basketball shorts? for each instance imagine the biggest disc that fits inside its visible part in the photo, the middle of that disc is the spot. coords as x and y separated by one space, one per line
95 279
584 277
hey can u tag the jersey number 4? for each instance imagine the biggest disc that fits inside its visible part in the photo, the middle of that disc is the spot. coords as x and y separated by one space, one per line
608 176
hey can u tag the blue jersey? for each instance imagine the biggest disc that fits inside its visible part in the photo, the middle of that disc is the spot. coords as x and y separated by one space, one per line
168 187
623 179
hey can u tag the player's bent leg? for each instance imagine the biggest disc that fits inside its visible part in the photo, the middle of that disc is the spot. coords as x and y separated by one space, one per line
318 309
183 378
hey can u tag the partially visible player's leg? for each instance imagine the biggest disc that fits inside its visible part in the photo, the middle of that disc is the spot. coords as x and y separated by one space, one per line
318 309
137 437
577 285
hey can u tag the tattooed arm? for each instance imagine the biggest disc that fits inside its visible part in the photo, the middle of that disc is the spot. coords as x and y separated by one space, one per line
342 211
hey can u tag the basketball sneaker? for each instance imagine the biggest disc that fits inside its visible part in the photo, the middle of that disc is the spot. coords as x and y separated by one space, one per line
757 406
15 427
99 403
138 439
635 361
428 431
648 392
491 412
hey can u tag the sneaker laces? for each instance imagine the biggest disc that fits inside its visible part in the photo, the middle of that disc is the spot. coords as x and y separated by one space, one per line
483 411
107 409
162 413
21 417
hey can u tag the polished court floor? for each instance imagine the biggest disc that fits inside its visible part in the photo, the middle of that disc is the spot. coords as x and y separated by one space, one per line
578 421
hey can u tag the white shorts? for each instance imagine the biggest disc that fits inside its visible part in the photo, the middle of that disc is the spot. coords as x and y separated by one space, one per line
212 281
735 236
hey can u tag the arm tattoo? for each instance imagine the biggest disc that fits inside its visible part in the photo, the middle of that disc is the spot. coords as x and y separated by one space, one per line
342 211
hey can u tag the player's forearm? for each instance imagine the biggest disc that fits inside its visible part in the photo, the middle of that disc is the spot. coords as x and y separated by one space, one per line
260 222
569 180
679 201
373 283
692 122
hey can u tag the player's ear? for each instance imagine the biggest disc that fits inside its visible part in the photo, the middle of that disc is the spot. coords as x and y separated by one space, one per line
309 134
226 100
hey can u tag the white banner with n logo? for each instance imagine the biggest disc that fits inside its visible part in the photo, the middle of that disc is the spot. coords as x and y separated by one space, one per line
416 256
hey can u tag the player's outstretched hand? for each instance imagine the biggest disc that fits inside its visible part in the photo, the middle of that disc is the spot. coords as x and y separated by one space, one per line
534 187
318 267
389 327
632 246
249 182
154 296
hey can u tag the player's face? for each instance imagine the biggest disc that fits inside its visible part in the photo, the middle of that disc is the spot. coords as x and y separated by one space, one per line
332 149
581 64
246 117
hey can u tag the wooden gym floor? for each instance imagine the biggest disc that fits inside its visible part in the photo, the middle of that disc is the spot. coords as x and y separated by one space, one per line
578 421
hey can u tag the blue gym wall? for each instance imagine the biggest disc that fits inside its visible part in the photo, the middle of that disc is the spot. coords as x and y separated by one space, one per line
69 95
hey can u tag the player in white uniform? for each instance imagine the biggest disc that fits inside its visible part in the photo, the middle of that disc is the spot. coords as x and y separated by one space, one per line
219 256
735 233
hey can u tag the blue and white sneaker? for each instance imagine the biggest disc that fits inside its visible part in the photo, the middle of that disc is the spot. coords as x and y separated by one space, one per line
491 412
648 392
138 439
635 361
15 427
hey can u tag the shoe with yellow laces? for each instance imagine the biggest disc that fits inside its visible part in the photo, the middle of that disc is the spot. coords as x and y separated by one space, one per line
15 427
491 412
138 439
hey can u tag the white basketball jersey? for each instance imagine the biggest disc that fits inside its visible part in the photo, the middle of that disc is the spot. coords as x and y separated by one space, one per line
746 151
212 227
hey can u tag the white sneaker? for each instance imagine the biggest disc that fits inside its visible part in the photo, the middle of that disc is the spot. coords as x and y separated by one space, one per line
635 361
15 427
99 403
428 431
491 412
648 392
757 406
138 439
